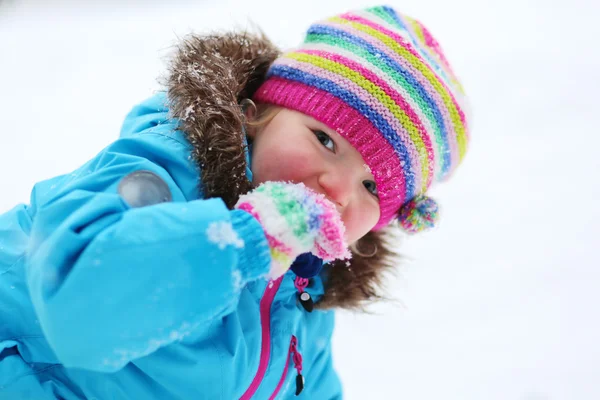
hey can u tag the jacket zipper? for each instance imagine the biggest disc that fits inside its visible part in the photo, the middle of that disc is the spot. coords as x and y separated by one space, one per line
297 358
265 348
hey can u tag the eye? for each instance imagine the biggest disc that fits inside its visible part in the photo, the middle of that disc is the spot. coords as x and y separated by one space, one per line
325 140
371 187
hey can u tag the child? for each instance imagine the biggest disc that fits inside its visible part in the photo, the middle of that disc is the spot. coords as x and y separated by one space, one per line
142 274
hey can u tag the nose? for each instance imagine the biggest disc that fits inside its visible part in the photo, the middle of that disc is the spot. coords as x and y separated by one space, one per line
336 187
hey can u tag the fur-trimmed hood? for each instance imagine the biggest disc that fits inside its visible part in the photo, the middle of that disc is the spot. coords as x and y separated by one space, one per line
208 77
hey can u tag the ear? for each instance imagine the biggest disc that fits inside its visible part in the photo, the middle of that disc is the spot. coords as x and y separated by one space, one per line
250 111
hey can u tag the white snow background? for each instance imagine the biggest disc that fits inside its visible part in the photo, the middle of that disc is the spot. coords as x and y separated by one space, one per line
498 303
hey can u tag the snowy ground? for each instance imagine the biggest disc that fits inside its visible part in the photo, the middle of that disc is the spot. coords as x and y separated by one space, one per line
500 302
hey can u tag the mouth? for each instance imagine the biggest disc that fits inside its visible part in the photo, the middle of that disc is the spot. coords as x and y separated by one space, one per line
338 206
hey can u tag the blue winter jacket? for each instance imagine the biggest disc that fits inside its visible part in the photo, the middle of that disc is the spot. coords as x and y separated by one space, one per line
107 298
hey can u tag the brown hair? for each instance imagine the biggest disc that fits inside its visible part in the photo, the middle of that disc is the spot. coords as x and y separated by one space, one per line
264 114
359 282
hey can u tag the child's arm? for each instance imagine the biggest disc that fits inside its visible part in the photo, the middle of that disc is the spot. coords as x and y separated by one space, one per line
111 283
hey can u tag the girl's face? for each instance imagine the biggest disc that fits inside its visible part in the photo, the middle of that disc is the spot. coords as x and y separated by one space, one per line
294 147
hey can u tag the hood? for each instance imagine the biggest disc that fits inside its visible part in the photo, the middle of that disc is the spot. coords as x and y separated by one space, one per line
208 76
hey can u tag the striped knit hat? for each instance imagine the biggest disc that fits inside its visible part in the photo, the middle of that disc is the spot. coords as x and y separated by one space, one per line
380 80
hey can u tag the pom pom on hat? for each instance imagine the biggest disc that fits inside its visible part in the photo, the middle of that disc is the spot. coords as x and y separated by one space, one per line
419 214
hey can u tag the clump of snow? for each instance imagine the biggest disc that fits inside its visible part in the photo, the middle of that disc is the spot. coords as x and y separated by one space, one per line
189 111
237 280
223 234
122 356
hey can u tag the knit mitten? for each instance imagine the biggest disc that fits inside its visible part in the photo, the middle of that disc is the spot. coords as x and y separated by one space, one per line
295 220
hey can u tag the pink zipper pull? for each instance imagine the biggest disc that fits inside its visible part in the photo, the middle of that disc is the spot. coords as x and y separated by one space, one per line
297 357
305 300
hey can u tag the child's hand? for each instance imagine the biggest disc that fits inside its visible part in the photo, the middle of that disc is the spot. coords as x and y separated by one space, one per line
296 220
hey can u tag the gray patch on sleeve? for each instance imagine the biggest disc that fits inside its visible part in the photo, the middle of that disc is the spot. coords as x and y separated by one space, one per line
144 188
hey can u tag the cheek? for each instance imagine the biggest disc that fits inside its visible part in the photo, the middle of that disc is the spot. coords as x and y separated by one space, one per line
360 220
282 163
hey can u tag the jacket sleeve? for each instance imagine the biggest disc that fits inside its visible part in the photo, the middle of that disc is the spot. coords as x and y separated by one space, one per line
111 283
322 381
